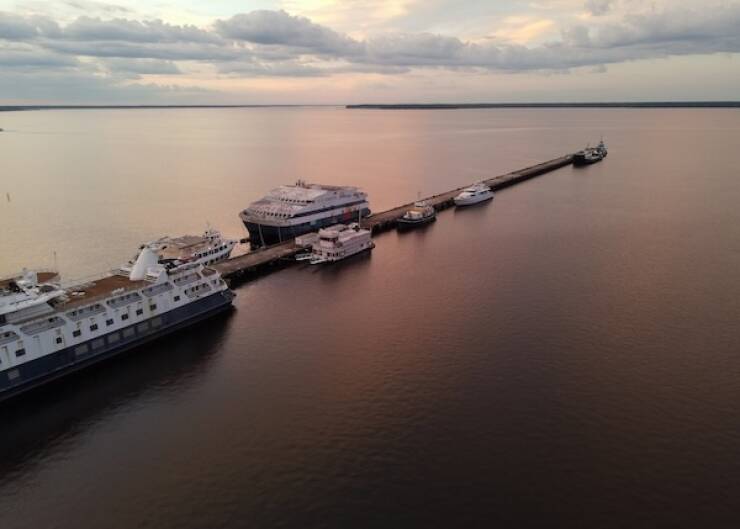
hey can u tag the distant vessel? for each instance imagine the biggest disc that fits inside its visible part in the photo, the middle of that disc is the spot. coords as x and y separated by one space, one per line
473 195
47 331
590 155
205 249
339 242
292 210
421 213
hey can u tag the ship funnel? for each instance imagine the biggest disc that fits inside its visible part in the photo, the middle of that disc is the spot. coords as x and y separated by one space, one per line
147 257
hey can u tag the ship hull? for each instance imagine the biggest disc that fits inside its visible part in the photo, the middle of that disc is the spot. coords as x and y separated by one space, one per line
265 234
406 224
472 201
56 365
580 160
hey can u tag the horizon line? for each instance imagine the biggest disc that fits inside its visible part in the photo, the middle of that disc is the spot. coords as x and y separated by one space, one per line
393 106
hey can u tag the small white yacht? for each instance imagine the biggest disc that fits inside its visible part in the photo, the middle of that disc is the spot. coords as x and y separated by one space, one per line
339 242
473 195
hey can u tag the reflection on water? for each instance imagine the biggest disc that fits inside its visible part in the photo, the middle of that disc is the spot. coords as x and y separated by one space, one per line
47 419
563 355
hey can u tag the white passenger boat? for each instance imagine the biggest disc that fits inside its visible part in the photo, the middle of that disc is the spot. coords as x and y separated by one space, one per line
473 195
339 242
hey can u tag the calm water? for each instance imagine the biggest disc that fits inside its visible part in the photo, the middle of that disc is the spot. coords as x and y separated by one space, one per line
566 355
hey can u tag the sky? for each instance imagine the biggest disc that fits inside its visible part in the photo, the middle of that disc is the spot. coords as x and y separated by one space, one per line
367 51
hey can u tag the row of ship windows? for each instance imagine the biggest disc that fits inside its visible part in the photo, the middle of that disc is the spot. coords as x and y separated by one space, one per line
212 252
21 351
109 322
130 332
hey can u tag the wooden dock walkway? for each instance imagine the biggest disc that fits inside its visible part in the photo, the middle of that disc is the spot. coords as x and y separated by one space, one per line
259 261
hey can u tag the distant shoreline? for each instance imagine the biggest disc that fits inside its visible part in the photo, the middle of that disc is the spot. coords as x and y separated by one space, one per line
463 106
399 106
18 108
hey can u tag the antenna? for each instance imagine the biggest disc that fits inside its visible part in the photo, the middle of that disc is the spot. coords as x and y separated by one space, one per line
54 254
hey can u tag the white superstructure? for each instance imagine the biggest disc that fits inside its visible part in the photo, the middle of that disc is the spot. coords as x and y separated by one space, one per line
47 330
473 195
205 249
339 242
292 210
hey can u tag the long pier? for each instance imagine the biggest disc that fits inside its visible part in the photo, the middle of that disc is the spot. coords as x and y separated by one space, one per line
244 266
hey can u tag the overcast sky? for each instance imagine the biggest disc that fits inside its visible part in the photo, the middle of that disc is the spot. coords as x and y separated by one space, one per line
350 51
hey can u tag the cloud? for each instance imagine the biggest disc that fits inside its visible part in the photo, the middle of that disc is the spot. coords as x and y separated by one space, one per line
184 51
142 66
33 59
598 8
15 27
111 52
79 87
150 31
278 28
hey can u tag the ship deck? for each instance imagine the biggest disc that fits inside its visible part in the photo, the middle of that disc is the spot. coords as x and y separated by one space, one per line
100 289
43 277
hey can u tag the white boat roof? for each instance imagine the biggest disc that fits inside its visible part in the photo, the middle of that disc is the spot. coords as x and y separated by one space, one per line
305 192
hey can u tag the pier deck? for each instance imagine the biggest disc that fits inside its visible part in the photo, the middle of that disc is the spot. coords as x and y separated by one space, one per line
243 266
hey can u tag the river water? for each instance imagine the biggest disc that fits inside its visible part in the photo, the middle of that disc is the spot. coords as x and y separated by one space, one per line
566 355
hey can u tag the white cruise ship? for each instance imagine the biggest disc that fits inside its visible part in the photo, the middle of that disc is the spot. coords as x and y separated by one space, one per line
292 210
339 242
47 331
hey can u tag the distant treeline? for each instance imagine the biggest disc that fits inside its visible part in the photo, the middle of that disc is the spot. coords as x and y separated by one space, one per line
12 108
456 106
404 106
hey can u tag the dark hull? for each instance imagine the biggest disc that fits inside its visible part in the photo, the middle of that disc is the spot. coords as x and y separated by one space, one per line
56 365
264 235
579 160
405 224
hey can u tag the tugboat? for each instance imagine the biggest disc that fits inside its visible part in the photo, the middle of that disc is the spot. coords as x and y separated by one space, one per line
590 155
473 195
422 213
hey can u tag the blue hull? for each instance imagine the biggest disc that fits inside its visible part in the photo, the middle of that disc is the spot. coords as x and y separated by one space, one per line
264 235
22 378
